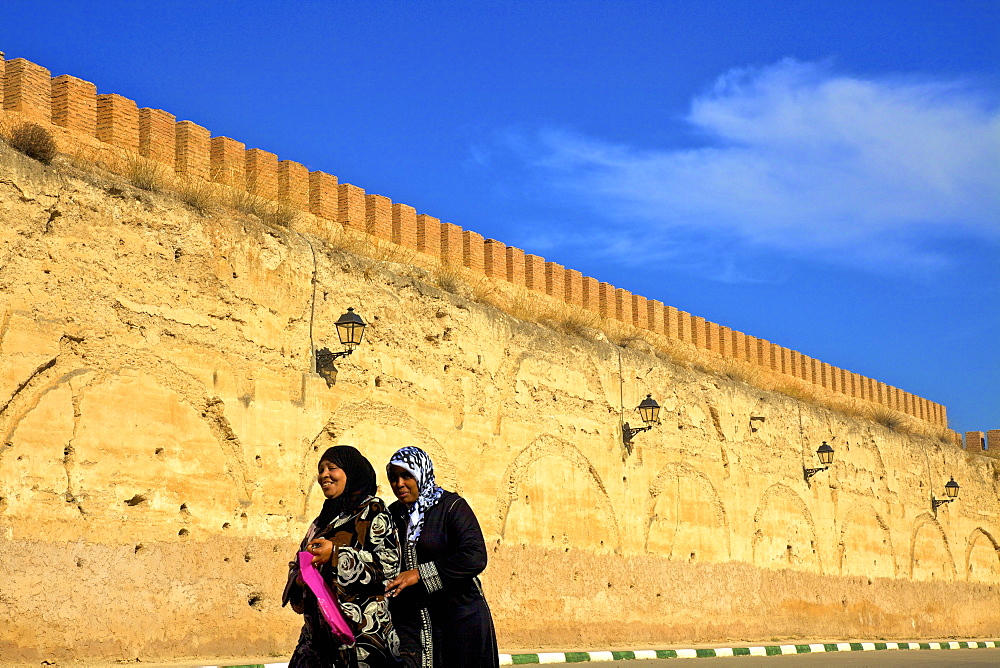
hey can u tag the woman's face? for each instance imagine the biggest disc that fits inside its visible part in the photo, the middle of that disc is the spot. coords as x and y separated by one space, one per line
332 479
404 485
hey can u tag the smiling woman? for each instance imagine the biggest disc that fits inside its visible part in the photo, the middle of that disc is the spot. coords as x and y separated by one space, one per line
355 551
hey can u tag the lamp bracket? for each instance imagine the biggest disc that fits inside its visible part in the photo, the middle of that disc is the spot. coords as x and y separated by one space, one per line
811 472
628 432
936 503
326 353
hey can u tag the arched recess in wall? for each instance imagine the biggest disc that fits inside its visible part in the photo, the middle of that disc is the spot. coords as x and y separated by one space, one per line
377 429
552 496
584 375
982 557
784 532
86 422
930 554
865 546
687 519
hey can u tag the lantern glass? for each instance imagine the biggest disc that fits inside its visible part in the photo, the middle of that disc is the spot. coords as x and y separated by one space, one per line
825 454
951 489
350 328
649 410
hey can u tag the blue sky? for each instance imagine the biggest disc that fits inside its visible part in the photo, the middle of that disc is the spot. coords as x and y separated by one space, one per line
825 175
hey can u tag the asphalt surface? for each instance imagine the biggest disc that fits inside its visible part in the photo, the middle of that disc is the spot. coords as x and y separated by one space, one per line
889 657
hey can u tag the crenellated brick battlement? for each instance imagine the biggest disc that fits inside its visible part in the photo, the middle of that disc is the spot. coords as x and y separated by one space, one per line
983 443
86 117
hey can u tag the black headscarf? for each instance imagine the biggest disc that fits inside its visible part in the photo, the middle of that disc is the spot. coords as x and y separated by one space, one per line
360 482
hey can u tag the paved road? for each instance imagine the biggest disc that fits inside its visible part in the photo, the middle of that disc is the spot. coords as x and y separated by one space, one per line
892 658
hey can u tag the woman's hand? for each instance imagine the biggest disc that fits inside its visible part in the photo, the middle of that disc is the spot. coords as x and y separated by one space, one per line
321 549
401 582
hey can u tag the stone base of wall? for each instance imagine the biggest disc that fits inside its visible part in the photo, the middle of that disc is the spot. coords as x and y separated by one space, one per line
166 601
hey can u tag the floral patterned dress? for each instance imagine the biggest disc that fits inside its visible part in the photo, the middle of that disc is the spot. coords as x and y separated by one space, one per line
365 557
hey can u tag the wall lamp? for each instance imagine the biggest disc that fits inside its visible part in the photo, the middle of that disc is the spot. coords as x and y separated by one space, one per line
350 330
825 454
649 411
950 490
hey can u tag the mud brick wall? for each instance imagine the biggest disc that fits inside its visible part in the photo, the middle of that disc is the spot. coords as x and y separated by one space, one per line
29 92
74 105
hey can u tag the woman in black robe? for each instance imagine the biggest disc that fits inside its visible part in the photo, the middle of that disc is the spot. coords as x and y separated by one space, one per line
354 548
437 602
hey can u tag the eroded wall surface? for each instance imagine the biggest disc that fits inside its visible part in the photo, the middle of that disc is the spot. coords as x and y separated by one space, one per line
159 431
113 130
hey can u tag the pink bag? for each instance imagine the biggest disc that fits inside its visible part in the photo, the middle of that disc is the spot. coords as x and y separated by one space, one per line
327 601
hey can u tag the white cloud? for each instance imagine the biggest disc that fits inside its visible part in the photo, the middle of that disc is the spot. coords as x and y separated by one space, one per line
801 160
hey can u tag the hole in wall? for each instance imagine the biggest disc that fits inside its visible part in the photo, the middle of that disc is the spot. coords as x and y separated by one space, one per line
247 557
138 547
135 500
158 451
183 532
184 508
226 525
255 601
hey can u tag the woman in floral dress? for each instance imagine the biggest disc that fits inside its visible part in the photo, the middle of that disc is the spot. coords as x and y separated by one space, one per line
354 548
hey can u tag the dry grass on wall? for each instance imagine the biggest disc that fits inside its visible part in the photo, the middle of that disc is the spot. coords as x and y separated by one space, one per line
270 212
142 173
196 193
31 139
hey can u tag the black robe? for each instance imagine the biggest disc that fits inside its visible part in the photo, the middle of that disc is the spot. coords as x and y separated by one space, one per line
443 621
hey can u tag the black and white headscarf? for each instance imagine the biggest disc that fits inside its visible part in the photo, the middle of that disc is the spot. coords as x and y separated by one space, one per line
420 466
